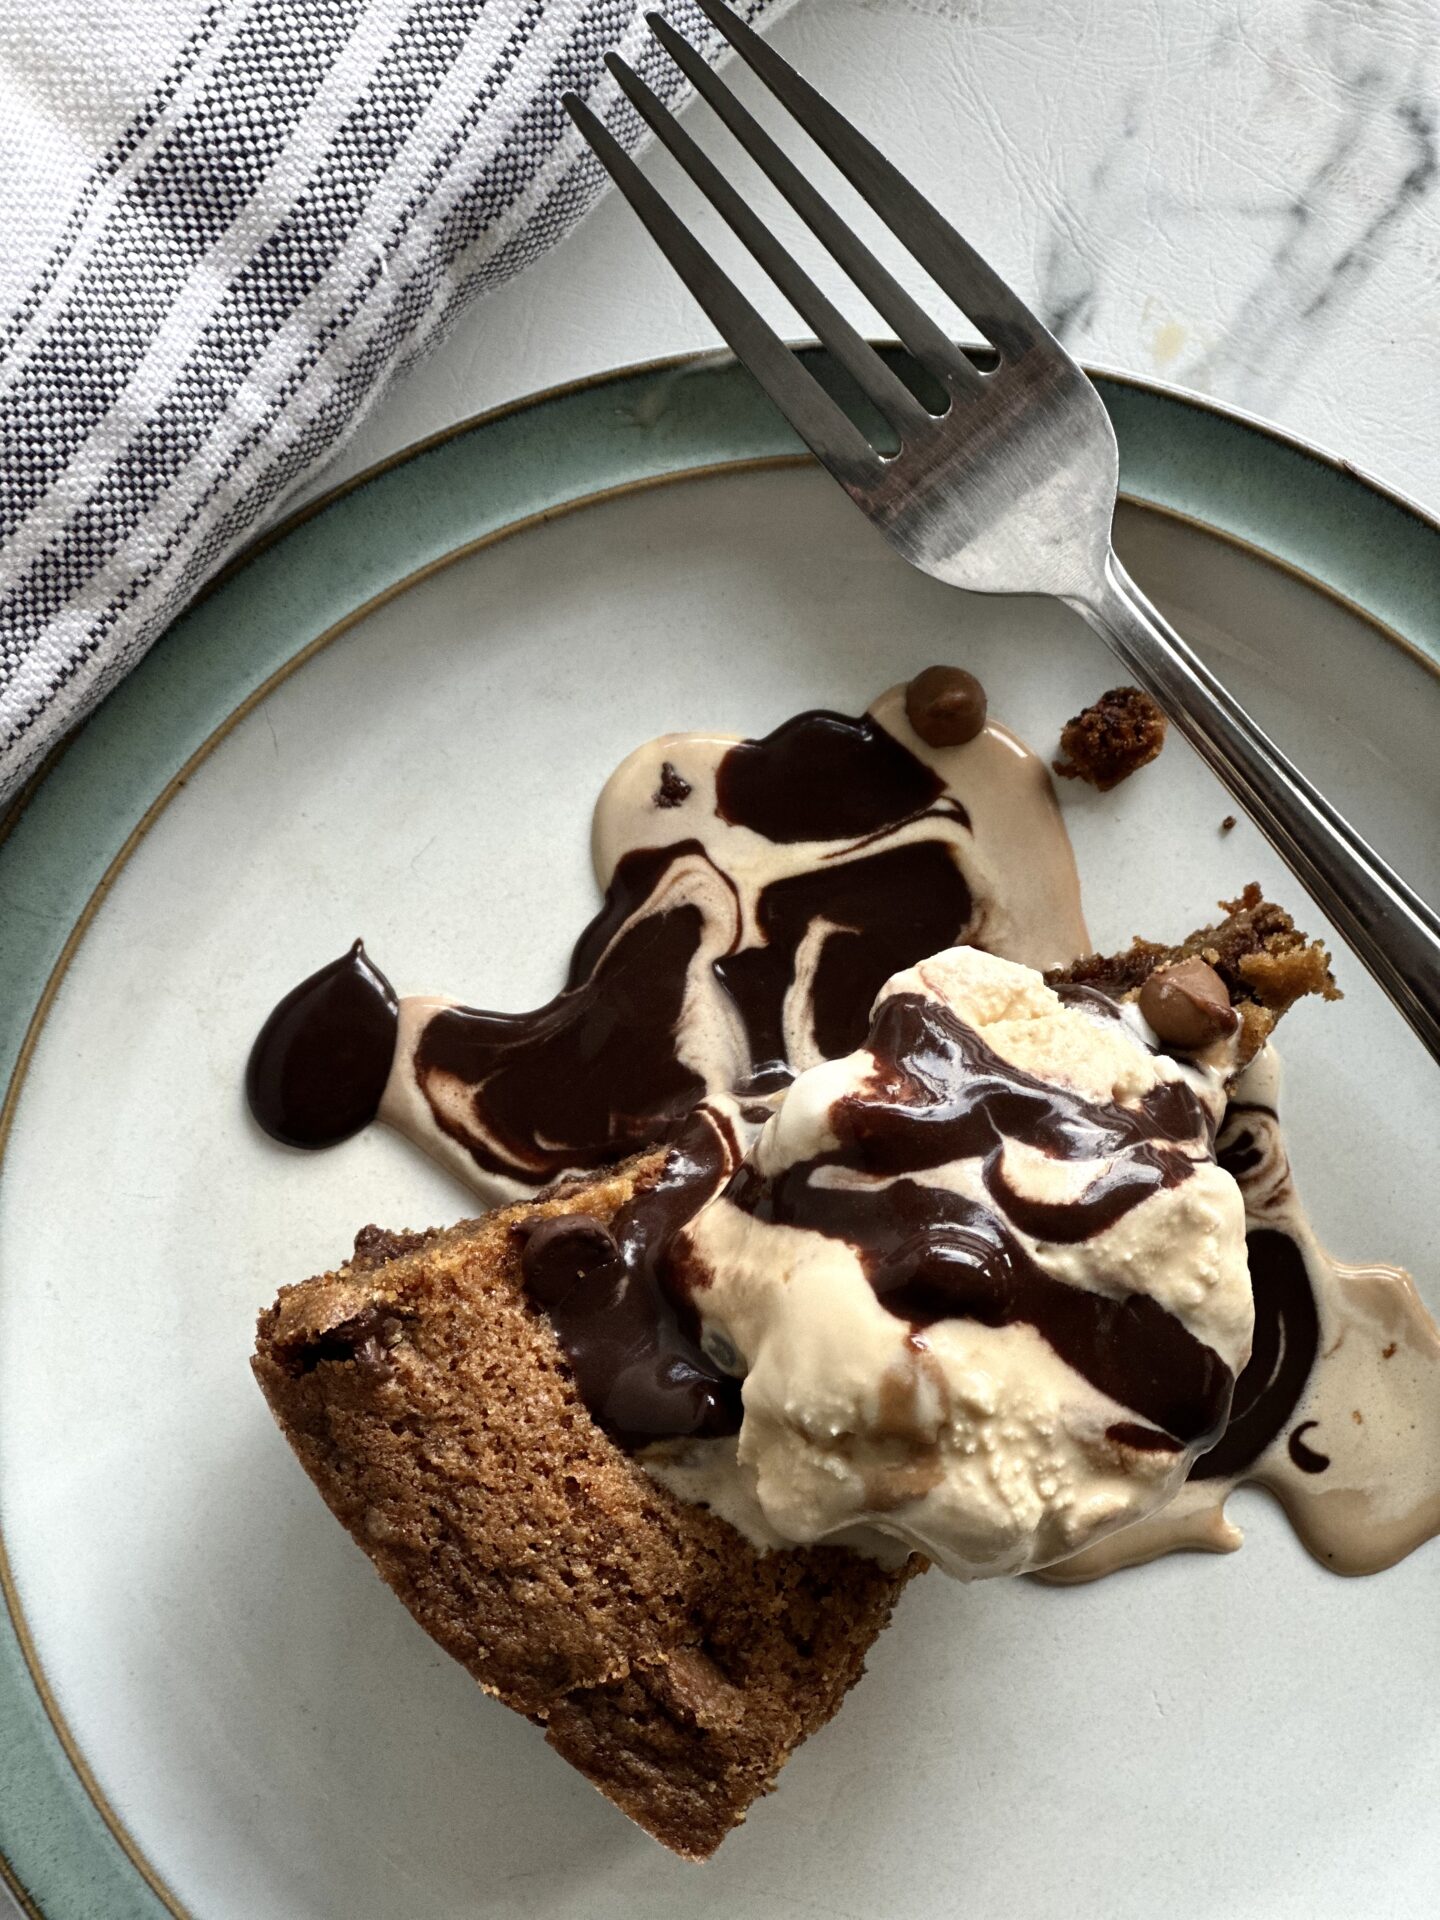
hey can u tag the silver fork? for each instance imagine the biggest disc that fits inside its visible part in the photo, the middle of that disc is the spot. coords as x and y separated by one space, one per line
1011 489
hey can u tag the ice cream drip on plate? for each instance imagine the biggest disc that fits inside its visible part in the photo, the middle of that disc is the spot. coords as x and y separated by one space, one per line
1337 1413
749 922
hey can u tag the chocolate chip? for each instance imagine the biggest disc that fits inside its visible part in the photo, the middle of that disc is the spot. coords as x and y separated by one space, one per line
367 1337
700 1690
377 1246
945 706
674 789
561 1251
1188 1005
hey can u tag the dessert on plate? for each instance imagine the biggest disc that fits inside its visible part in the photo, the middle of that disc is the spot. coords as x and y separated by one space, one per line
849 1216
672 1662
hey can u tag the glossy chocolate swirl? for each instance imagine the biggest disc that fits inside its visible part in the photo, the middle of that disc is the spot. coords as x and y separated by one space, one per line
1337 1412
759 894
1287 1339
940 1095
635 1346
603 1068
1287 1316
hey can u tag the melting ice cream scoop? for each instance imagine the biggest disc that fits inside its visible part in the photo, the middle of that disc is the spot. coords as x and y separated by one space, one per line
984 1278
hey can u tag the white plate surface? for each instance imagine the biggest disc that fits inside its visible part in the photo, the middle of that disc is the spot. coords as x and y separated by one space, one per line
1238 1739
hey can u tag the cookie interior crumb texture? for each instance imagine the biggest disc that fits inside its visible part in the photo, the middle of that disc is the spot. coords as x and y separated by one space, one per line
1118 734
1267 964
666 1658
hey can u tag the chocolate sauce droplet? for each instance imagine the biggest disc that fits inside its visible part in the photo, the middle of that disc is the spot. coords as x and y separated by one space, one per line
946 706
319 1064
1305 1457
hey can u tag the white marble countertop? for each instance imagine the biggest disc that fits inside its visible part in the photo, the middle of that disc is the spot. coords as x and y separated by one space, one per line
1243 199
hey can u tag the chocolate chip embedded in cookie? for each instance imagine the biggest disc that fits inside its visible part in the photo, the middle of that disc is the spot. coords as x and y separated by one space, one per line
1188 1005
1262 958
561 1252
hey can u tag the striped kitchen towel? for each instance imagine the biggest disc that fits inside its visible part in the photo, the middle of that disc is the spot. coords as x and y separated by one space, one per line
227 224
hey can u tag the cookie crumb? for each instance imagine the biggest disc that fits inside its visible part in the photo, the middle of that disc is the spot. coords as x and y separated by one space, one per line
1266 963
1118 734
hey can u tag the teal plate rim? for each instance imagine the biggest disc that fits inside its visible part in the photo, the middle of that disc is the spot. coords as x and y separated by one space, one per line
64 1852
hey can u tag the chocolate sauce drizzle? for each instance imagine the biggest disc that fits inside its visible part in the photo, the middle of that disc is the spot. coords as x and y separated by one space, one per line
1307 1458
888 910
939 1094
594 1075
1287 1333
634 1347
824 776
319 1064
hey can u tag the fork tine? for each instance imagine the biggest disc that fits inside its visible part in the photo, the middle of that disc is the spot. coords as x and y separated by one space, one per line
951 261
829 433
929 343
893 398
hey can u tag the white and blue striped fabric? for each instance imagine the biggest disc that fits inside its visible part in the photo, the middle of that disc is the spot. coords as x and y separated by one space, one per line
227 224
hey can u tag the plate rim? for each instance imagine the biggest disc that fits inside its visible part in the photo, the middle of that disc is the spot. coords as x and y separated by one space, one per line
131 1885
1103 373
1393 497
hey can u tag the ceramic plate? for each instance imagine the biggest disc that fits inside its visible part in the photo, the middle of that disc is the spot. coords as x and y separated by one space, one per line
393 721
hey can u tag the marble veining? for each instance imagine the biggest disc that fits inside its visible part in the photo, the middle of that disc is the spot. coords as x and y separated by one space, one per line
1242 199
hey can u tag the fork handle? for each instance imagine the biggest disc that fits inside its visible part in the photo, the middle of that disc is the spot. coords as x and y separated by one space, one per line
1382 919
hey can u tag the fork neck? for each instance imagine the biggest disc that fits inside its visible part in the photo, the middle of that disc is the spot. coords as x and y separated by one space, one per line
1386 923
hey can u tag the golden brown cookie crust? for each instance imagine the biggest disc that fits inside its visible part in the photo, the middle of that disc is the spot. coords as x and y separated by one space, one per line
1112 738
666 1658
1267 964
